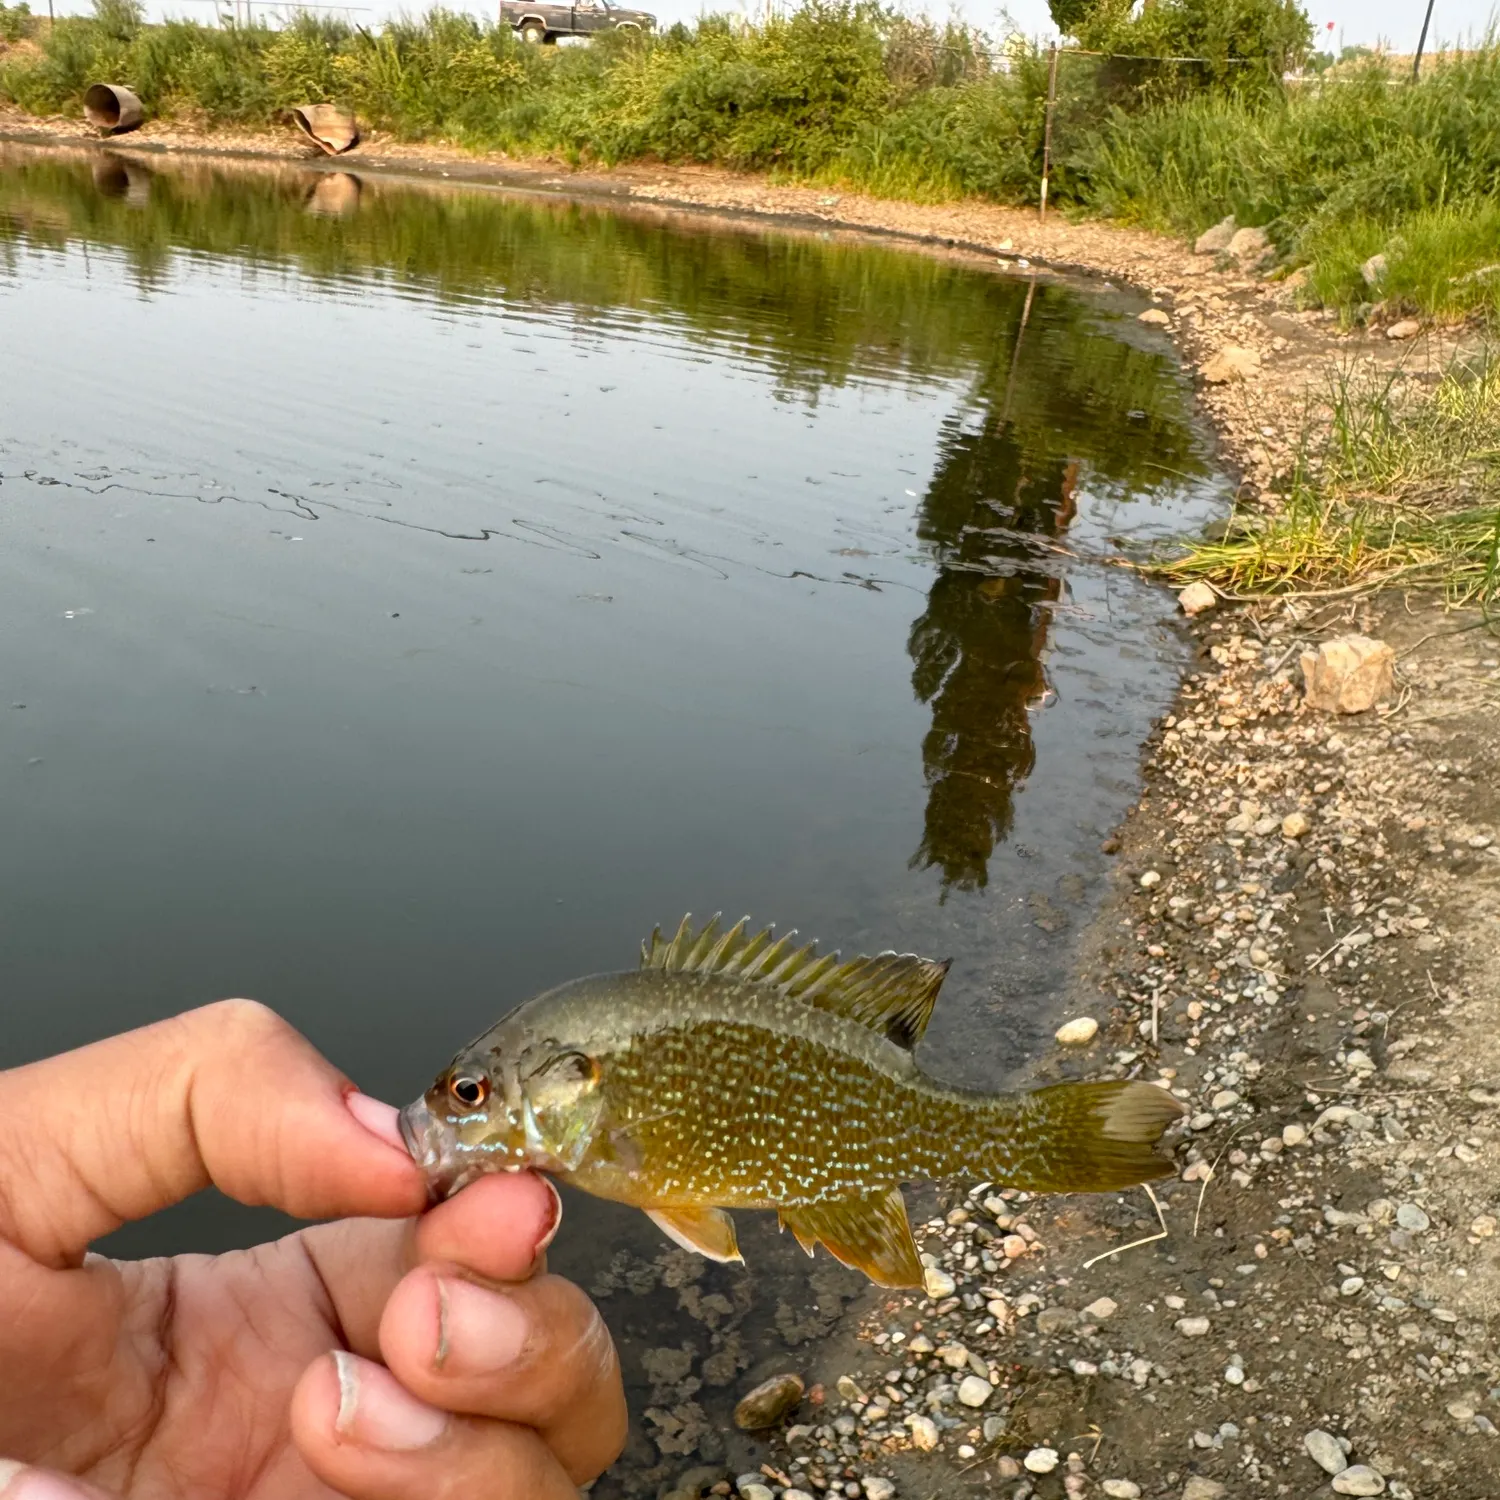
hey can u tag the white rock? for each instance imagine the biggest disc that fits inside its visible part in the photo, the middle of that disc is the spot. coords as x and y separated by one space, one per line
1325 1450
755 1492
1373 270
1293 1135
1077 1033
1154 317
795 1495
924 1433
877 1488
1349 674
1192 1328
1248 246
1212 241
1200 1488
975 1390
1230 363
1224 1099
955 1356
1101 1308
937 1283
1407 328
1234 1375
1121 1489
1041 1460
1358 1479
1410 1217
1150 879
1197 597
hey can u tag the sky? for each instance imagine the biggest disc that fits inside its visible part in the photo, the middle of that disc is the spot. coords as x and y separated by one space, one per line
1355 22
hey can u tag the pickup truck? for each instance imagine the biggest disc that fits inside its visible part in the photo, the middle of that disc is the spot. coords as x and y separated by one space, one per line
545 23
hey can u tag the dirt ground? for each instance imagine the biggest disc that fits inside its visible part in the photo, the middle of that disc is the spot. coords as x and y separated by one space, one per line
1322 999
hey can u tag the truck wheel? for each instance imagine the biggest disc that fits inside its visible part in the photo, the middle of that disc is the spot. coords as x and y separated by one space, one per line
534 32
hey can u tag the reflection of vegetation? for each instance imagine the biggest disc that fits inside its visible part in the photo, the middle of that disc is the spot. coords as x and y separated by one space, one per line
1004 485
1076 402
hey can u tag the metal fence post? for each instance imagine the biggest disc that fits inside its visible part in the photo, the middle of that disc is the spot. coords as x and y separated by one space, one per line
1416 65
1047 129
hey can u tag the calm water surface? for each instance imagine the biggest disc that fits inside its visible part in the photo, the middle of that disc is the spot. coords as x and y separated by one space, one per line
411 597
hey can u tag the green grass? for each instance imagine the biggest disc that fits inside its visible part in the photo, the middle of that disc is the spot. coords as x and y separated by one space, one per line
1403 486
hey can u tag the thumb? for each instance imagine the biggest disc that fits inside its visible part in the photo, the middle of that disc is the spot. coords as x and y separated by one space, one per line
19 1482
228 1095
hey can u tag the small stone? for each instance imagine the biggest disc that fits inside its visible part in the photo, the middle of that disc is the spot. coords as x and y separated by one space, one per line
1041 1460
1461 1411
1200 1488
1351 1286
1055 1320
1293 1135
1154 317
1234 1375
1407 328
1078 1032
1212 241
1349 674
1326 1451
1484 1227
1358 1479
994 1430
876 1488
1192 1328
1373 270
1101 1308
768 1403
955 1356
924 1433
1230 363
1196 598
755 1491
1224 1099
1150 879
937 1283
1121 1489
1249 246
795 1495
975 1390
1412 1218
1295 825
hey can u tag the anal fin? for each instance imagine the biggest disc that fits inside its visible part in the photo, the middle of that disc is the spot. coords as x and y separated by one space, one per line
708 1231
869 1233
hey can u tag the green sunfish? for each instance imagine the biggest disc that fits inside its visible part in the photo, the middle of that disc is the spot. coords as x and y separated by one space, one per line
736 1070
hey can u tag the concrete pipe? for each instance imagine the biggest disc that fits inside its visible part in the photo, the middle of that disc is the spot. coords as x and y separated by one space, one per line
334 130
112 108
335 195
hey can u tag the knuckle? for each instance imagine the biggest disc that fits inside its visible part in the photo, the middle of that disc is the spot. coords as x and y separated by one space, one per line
244 1020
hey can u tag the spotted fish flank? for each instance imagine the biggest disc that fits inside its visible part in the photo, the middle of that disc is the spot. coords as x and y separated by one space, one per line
736 1070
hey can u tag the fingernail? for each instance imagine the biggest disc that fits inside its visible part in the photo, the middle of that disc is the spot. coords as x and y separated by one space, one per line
374 1409
378 1118
479 1331
553 1222
18 1482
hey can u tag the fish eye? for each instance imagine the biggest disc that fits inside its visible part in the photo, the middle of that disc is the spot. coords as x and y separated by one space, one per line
468 1091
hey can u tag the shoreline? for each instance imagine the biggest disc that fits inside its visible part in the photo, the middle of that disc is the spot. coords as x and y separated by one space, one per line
1320 999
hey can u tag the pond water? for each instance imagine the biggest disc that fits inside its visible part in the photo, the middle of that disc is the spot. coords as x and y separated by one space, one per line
411 596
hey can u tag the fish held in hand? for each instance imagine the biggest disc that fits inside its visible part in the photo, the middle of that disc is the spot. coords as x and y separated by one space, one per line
737 1070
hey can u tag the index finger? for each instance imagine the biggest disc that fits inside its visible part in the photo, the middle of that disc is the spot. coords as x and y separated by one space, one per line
228 1095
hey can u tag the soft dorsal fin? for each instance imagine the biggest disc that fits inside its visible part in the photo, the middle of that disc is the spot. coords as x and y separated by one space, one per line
892 993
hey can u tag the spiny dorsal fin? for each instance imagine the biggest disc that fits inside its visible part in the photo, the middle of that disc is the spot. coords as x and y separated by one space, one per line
892 993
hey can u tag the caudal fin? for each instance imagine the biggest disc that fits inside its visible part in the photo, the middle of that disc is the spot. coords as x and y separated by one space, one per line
1085 1137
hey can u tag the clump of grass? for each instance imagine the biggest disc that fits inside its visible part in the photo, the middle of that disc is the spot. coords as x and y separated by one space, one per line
1403 486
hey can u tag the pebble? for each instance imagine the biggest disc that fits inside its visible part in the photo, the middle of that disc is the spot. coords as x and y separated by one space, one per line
1224 1099
1041 1460
1358 1479
975 1390
1293 1135
1234 1375
1121 1489
1407 328
876 1488
1196 598
1412 1218
1055 1320
1326 1451
1077 1033
1294 826
755 1491
1192 1328
924 1433
937 1283
1150 878
1102 1308
1199 1488
768 1403
795 1495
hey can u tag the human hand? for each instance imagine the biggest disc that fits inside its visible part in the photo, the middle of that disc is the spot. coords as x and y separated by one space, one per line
386 1357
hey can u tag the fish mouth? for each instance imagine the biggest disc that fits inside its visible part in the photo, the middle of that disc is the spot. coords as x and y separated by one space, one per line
428 1144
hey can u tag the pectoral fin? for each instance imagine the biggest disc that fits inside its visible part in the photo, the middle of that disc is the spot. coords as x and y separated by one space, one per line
708 1231
871 1234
